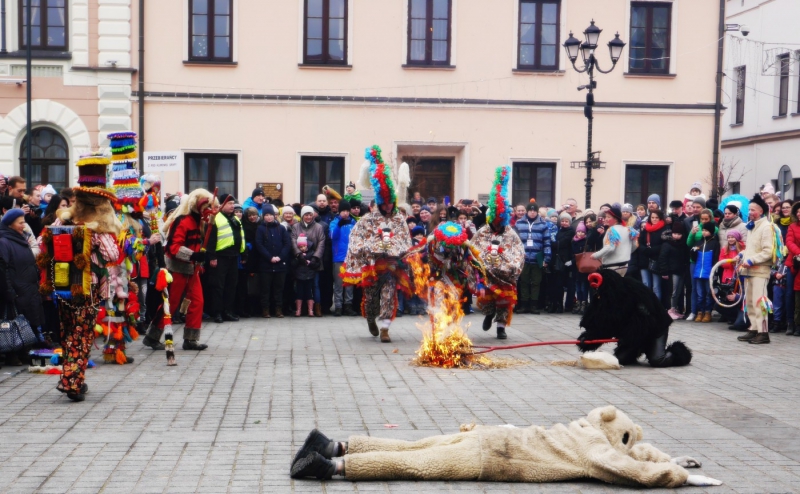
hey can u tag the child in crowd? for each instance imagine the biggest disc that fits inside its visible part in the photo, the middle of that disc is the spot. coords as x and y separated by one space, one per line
305 267
732 248
705 254
581 279
694 192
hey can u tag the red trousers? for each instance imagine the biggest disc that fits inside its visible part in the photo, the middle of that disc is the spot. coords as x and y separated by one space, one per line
194 317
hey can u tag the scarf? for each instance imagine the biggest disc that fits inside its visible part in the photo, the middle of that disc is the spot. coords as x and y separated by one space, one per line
728 224
649 227
786 221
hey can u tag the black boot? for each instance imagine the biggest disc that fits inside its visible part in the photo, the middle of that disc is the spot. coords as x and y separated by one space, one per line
748 336
521 308
76 396
347 310
154 344
501 333
316 442
337 312
373 327
313 465
229 316
487 321
193 345
790 329
760 339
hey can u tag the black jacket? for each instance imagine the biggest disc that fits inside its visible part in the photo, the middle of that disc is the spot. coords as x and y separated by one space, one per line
272 240
250 254
23 275
650 246
674 256
562 249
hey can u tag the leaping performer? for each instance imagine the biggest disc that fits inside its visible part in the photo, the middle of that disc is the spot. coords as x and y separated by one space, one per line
502 254
377 243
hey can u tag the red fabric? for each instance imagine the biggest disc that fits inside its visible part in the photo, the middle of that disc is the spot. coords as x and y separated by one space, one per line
194 318
727 269
651 227
186 234
793 244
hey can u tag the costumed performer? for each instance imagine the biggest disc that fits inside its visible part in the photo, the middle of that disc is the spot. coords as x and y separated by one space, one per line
618 243
377 243
78 249
762 251
605 445
183 251
502 254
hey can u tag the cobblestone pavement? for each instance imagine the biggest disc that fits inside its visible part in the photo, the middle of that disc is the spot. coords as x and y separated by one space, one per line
229 419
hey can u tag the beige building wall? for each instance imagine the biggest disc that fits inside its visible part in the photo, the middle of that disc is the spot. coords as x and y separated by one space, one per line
269 109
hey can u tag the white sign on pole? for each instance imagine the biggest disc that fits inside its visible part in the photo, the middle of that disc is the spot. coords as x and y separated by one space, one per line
162 161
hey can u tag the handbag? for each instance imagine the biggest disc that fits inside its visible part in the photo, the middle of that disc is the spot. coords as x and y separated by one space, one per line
652 266
15 334
585 263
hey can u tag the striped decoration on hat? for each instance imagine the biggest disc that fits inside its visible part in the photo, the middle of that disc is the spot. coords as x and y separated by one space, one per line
125 172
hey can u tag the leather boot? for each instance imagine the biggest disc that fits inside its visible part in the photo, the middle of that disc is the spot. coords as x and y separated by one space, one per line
748 336
299 308
154 344
265 314
279 312
193 345
385 335
311 307
348 310
318 310
707 317
373 327
337 312
501 333
487 322
760 339
521 308
778 327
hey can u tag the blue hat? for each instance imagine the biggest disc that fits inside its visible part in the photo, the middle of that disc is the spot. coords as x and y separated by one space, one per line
655 198
11 216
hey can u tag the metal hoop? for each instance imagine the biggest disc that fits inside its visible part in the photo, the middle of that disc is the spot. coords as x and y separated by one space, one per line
711 283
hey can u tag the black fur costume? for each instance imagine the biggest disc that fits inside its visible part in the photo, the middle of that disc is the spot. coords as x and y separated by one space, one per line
625 309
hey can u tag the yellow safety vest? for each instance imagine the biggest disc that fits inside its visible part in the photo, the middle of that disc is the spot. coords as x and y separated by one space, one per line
225 232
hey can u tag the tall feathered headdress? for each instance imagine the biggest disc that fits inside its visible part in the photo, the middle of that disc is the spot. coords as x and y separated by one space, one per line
377 174
499 212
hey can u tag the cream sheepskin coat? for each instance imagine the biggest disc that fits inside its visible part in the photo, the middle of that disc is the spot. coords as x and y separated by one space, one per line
602 446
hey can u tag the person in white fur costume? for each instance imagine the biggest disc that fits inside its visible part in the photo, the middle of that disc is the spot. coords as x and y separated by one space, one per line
602 446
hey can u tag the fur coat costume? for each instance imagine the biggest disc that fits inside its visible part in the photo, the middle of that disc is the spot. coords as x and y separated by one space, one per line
604 446
367 248
625 309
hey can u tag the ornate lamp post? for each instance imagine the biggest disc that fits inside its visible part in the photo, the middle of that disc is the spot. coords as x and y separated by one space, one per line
587 49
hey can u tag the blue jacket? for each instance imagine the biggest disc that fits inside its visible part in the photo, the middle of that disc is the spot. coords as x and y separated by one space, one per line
340 237
538 232
272 240
705 257
250 203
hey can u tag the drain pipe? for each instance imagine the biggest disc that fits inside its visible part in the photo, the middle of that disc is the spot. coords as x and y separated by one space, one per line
718 103
3 22
141 84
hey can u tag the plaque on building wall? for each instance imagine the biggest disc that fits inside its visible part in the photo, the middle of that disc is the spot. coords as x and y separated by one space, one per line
272 190
483 198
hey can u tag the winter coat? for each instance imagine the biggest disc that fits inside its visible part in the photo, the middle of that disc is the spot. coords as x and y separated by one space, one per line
674 255
535 236
728 270
562 249
760 244
650 244
726 226
315 233
272 240
617 246
578 246
594 240
705 255
793 244
250 203
305 266
23 275
696 238
605 445
183 240
340 237
251 256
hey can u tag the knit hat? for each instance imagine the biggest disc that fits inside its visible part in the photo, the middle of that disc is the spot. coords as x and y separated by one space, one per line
417 230
353 204
735 234
351 184
237 206
125 172
710 227
654 198
431 199
226 198
411 219
564 216
757 199
712 204
675 204
48 189
306 210
498 213
287 209
330 193
258 191
627 208
532 206
581 227
677 225
696 185
11 216
768 188
344 206
302 240
424 208
269 209
377 174
699 200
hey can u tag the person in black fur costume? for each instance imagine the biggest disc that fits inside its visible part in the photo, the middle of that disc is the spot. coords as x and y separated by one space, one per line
625 309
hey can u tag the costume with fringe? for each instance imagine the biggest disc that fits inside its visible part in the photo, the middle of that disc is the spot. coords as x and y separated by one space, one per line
77 251
378 241
501 252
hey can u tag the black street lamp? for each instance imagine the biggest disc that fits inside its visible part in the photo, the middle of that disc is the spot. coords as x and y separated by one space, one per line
587 49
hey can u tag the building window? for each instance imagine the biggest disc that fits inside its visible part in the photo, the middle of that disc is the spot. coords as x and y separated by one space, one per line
326 32
207 171
734 187
49 26
538 34
643 180
741 75
429 32
317 172
49 158
797 57
650 37
534 181
783 84
210 30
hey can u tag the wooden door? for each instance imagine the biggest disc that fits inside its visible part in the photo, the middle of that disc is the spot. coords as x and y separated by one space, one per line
431 177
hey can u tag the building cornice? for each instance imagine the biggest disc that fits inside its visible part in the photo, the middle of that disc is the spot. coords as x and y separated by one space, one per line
761 138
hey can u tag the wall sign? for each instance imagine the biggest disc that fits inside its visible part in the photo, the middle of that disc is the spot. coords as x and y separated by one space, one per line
162 161
273 190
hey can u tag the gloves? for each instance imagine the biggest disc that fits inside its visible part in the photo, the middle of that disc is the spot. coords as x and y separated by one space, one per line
198 257
568 263
701 481
685 462
249 246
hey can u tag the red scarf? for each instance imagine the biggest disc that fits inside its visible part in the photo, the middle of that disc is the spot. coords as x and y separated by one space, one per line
649 227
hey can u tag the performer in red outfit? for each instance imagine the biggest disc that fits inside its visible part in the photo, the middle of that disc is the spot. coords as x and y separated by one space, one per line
183 250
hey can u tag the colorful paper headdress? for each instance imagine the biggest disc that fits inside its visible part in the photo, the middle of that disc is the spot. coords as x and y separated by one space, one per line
125 172
377 174
92 170
450 234
499 213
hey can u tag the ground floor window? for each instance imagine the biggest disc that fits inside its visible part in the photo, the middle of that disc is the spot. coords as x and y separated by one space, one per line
207 171
534 181
317 172
643 180
431 177
49 158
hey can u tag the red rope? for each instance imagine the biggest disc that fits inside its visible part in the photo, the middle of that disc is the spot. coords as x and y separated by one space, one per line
540 343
